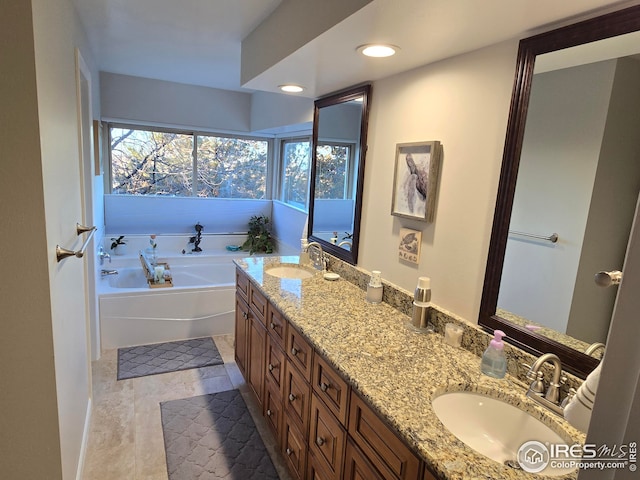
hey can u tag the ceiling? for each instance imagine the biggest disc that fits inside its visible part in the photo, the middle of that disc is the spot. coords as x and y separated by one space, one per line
199 41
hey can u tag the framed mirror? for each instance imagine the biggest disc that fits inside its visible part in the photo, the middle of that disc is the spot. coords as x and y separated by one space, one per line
339 146
570 172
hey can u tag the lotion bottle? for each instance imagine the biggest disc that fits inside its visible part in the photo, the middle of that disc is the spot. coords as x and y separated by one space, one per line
304 253
494 361
374 289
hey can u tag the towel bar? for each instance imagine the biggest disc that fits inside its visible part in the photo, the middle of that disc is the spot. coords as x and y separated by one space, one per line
62 253
553 238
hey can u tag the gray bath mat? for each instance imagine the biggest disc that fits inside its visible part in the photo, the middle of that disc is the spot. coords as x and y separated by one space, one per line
167 357
213 437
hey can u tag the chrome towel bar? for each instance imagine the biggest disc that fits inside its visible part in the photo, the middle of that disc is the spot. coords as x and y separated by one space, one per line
553 238
62 253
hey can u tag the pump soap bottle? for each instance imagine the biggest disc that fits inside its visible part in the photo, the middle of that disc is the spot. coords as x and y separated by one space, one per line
494 361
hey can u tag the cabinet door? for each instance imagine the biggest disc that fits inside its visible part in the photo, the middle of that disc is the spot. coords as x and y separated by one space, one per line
326 437
256 346
294 448
241 331
357 467
274 371
390 455
316 469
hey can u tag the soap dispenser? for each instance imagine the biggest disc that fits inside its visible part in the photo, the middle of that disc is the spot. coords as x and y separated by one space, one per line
494 361
304 252
374 289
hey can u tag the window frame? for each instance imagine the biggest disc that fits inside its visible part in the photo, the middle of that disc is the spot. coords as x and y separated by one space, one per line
282 170
108 183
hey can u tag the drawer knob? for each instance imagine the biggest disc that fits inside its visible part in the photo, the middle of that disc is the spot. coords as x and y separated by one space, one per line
269 412
289 451
292 397
271 367
272 325
294 351
319 441
324 386
245 315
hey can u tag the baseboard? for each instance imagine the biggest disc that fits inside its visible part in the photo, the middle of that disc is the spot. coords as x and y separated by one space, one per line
85 440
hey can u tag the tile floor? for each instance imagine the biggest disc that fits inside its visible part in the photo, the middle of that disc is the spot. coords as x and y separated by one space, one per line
125 436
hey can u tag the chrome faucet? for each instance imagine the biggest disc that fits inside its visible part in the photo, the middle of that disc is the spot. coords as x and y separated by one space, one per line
102 255
316 255
594 347
547 396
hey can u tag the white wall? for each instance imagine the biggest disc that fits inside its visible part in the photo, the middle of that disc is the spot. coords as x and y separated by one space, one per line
561 148
463 102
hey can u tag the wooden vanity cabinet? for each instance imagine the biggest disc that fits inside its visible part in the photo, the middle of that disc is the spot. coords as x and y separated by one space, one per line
324 430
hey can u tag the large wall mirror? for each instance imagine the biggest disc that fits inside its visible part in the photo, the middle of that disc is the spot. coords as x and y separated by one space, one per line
569 184
340 123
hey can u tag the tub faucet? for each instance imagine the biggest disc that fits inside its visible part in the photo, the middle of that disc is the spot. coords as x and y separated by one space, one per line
551 397
316 255
104 273
102 255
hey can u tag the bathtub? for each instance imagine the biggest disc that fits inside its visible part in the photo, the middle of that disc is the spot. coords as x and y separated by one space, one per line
201 302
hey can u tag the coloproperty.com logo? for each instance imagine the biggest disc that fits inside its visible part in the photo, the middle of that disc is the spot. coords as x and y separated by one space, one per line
534 456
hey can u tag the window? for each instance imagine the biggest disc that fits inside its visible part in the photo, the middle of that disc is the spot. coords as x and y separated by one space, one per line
334 171
296 164
162 162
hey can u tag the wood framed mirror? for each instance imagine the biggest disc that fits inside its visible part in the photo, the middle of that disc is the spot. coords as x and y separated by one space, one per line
527 335
339 146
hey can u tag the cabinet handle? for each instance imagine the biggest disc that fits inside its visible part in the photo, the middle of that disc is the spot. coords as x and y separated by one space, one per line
319 441
324 386
294 351
292 397
272 325
268 412
245 315
289 451
271 367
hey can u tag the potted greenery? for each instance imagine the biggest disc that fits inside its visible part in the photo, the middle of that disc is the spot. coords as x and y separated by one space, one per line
259 236
119 246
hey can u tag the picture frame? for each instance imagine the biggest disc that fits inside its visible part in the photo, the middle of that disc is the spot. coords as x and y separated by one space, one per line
409 246
415 180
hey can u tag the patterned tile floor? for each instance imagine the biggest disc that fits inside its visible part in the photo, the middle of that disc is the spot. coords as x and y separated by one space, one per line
125 436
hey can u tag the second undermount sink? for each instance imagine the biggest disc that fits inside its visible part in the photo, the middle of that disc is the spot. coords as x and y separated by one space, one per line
495 428
289 270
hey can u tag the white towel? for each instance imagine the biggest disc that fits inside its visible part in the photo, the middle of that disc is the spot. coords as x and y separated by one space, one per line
578 411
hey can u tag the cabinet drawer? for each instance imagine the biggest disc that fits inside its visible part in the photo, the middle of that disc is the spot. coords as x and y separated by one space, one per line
316 469
299 351
297 396
357 467
326 437
273 412
242 284
294 448
391 457
276 325
257 303
274 371
331 388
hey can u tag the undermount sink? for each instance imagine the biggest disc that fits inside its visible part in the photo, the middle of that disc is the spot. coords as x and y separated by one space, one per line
495 428
289 270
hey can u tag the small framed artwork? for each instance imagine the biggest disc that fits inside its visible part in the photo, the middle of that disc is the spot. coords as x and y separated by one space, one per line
415 180
409 248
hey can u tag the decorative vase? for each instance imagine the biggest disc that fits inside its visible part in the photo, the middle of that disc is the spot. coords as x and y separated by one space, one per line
121 249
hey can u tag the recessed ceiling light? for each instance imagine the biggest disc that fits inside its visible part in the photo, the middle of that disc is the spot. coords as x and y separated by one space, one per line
291 88
377 50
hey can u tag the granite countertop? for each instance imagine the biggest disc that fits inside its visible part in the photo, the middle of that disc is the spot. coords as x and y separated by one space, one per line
398 369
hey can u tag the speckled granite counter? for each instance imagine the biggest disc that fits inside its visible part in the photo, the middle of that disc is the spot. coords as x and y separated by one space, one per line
396 368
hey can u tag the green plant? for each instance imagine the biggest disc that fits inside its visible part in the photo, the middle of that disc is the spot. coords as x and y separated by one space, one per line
259 235
117 241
